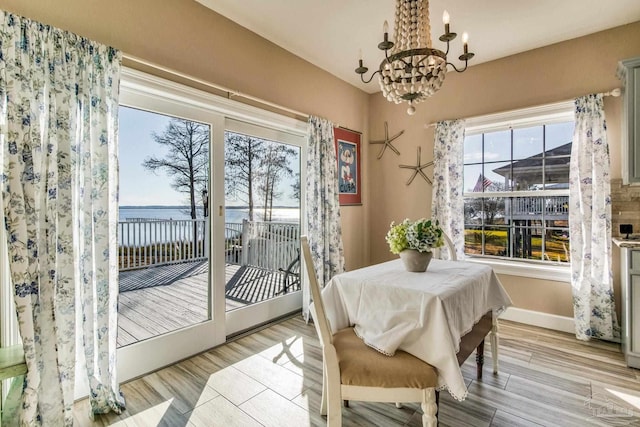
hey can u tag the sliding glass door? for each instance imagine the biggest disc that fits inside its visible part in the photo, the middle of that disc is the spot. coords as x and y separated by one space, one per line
262 224
206 249
165 235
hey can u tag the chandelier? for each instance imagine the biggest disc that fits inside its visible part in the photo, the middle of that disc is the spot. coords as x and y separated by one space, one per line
412 69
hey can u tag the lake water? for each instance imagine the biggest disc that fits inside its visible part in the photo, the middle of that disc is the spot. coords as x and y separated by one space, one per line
139 232
235 215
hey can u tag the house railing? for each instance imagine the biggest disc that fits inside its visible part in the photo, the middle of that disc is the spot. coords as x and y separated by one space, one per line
150 242
550 206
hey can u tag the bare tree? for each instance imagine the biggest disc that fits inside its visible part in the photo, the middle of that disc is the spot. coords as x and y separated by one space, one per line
188 159
295 187
274 166
243 156
488 209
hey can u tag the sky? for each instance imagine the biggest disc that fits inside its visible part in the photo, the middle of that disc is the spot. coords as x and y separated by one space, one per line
141 187
527 142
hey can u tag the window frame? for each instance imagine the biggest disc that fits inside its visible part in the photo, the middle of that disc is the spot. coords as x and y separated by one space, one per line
517 119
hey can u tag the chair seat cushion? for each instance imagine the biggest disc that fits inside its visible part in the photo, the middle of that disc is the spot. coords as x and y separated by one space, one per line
361 365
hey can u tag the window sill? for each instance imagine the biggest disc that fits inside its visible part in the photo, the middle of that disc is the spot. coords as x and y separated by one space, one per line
556 273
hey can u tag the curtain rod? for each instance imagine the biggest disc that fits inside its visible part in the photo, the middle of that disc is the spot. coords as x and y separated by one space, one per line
230 92
613 92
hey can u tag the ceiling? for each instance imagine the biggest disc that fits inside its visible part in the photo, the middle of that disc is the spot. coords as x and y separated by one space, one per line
330 33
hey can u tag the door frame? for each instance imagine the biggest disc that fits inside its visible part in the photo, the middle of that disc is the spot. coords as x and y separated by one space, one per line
252 315
154 94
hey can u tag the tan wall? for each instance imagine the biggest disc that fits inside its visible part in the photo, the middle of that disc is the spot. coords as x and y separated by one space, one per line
550 74
186 36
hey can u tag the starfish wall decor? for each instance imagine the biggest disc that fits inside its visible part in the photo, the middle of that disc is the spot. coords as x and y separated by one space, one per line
418 169
387 141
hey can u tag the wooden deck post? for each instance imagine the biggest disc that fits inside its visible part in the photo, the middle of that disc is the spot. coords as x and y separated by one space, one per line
245 242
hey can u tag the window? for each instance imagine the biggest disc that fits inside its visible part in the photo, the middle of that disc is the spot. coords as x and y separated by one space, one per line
516 185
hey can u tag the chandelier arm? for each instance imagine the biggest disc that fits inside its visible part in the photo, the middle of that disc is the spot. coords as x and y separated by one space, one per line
461 70
370 78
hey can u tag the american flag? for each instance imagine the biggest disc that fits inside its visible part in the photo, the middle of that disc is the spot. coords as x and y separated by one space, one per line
482 184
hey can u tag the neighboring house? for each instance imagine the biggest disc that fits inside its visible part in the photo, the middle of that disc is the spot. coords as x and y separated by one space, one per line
526 212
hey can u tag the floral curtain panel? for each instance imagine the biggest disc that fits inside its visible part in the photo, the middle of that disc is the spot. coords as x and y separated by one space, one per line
590 224
447 205
58 139
322 206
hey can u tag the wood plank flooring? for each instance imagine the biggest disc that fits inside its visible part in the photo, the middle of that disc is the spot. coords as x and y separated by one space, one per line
273 378
162 299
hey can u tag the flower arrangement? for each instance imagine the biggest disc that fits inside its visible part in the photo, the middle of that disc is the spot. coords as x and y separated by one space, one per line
421 235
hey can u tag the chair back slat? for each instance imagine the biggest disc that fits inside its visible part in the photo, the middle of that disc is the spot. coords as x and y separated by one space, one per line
452 249
322 322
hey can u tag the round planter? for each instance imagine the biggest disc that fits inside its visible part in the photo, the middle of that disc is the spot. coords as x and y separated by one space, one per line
415 261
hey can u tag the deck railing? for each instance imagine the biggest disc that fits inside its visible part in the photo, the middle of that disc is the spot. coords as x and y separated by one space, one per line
159 242
270 245
147 242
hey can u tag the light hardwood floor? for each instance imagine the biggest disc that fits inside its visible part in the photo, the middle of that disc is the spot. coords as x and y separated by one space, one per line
273 378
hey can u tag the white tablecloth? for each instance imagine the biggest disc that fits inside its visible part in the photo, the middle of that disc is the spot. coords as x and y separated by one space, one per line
424 314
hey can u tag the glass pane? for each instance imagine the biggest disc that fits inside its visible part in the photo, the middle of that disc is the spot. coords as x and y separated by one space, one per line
556 208
472 175
527 240
528 175
497 177
162 229
472 239
527 208
497 146
496 241
528 143
262 219
473 211
558 134
557 247
494 210
557 168
473 149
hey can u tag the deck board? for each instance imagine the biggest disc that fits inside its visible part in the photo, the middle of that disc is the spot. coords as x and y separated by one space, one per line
161 299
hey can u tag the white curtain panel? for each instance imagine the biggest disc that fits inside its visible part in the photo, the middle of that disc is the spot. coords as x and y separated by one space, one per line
58 138
447 205
590 224
322 206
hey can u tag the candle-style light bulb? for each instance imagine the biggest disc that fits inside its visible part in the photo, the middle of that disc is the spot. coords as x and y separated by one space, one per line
465 40
445 17
360 54
385 27
445 21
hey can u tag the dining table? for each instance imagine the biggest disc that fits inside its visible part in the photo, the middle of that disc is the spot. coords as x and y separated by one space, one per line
426 314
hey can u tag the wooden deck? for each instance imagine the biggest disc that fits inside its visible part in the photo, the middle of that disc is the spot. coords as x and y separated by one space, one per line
157 300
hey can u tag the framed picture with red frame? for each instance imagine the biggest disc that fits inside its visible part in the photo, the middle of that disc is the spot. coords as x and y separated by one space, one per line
349 162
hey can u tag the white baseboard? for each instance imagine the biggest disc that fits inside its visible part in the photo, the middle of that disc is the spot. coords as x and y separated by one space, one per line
537 318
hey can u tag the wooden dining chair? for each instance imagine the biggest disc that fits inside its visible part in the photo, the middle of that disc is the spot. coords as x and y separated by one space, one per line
449 245
354 371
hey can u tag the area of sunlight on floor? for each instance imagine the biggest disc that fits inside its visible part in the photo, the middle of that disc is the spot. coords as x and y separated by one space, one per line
266 384
630 399
267 388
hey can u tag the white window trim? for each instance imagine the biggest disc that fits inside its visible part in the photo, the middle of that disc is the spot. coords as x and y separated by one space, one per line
527 117
145 85
553 272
